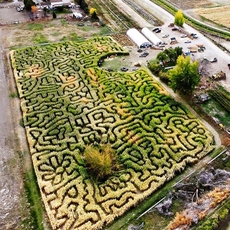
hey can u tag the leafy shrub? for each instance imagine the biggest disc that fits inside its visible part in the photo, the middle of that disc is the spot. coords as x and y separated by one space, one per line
154 67
164 77
223 214
101 161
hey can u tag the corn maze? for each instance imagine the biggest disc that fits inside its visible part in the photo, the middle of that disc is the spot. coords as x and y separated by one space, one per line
68 103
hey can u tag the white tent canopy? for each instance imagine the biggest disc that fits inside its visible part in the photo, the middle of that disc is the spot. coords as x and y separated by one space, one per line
138 38
151 36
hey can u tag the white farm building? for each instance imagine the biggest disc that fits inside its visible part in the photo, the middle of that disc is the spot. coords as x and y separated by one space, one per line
138 38
151 36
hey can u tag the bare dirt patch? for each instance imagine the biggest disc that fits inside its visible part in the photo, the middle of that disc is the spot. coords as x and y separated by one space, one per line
53 31
10 15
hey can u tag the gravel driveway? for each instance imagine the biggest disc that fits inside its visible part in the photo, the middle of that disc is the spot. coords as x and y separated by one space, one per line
9 14
12 209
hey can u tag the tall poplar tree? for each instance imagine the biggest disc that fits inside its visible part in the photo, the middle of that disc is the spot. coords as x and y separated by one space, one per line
179 18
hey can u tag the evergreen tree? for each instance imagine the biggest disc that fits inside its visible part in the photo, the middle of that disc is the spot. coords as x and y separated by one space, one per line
84 6
54 15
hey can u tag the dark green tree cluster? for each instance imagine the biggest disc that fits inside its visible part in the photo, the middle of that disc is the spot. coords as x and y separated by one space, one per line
83 6
170 55
28 4
94 16
183 77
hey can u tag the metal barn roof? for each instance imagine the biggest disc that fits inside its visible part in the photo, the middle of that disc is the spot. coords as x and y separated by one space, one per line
151 36
138 38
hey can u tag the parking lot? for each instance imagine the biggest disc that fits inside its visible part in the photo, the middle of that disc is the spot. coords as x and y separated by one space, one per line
9 14
198 46
209 52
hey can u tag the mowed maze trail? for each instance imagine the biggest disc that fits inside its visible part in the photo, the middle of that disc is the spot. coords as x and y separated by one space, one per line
68 103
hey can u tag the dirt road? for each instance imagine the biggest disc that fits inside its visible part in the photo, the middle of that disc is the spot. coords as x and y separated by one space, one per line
10 173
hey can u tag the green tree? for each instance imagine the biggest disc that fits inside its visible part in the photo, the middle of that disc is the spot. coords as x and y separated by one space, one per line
178 50
171 53
179 18
54 15
162 56
185 76
154 67
28 4
84 6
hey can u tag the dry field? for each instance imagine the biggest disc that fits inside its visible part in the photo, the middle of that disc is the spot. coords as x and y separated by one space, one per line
188 4
212 10
215 14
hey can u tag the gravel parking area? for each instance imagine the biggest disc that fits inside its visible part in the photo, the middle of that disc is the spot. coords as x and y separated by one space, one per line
10 15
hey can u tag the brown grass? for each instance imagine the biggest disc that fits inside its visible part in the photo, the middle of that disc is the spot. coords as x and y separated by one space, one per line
215 14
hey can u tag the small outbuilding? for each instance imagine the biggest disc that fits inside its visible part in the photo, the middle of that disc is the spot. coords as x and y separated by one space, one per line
140 40
151 36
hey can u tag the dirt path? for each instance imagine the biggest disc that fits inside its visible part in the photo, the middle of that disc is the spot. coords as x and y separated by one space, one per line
11 183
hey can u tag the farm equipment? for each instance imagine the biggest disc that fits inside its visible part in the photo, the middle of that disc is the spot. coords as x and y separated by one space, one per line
201 47
193 49
219 76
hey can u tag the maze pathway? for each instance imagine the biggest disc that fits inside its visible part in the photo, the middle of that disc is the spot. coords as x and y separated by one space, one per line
68 103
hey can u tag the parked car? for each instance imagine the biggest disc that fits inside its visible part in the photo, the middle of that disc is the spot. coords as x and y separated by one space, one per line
184 36
158 31
124 69
194 35
20 8
145 54
165 36
100 62
174 29
155 29
213 60
187 41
